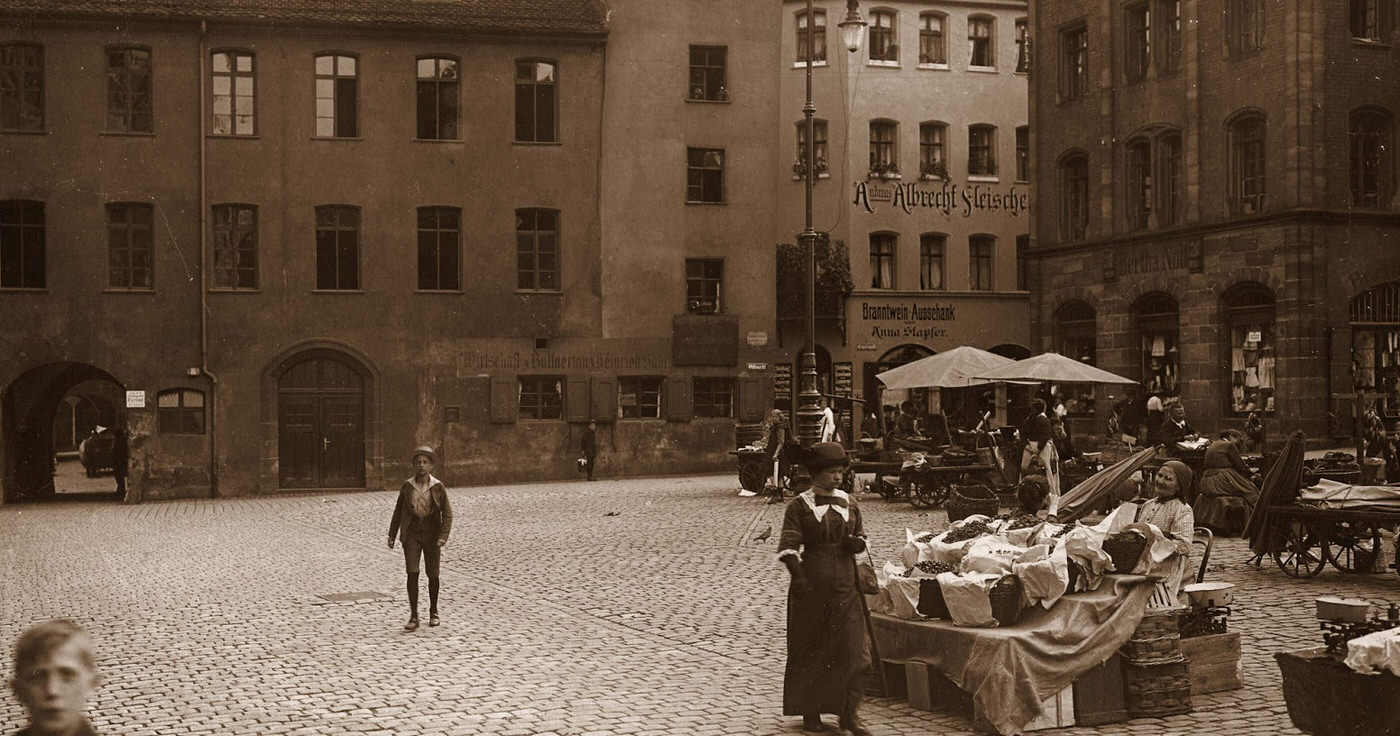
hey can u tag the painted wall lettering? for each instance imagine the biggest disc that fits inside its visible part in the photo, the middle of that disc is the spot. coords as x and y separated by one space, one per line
948 199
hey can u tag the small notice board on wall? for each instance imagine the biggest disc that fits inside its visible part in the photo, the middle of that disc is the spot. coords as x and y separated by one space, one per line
136 399
782 385
841 386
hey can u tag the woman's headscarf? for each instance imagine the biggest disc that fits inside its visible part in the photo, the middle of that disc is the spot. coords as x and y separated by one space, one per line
1184 477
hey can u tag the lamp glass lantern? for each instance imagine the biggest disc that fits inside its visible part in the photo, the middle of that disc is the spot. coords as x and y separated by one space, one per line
852 27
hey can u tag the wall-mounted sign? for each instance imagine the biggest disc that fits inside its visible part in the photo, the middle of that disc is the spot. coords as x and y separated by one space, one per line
1166 257
877 323
758 366
1254 336
782 382
757 338
136 399
949 198
867 347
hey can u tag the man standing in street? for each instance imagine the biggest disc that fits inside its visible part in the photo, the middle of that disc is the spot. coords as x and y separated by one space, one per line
422 521
120 457
589 447
54 678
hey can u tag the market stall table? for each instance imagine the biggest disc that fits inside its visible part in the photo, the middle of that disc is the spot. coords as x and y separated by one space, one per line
1009 671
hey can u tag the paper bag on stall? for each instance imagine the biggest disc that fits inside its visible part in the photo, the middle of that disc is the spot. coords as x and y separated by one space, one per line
968 597
904 597
992 554
1044 573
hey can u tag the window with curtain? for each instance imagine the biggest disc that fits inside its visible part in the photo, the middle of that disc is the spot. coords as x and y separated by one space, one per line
933 45
882 252
932 161
931 249
818 145
541 397
981 150
818 36
883 42
883 134
979 40
981 254
1023 50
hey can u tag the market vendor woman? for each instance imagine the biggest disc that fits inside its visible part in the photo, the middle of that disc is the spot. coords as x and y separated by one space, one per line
1167 510
827 650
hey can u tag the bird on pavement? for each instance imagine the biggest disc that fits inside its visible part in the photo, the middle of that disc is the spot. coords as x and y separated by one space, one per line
612 513
764 535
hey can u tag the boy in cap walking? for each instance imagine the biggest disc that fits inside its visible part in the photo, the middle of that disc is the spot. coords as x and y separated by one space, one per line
422 521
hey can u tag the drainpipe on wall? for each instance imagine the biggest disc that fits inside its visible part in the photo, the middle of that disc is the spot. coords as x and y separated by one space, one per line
212 403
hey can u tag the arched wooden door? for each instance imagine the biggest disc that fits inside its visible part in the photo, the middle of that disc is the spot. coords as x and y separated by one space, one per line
321 425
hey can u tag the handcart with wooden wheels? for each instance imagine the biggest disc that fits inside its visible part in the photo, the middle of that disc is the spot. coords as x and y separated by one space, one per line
755 469
926 485
1309 538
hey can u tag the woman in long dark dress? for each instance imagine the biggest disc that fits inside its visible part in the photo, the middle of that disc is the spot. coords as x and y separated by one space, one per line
1227 495
828 653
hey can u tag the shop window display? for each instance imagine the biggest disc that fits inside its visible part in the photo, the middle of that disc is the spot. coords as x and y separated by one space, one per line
1376 366
1252 367
1077 338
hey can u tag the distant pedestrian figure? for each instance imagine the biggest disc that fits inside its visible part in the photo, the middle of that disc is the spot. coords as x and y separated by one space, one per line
827 649
54 677
589 447
422 521
120 457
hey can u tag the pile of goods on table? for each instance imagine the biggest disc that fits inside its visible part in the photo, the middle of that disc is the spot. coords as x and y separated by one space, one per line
984 571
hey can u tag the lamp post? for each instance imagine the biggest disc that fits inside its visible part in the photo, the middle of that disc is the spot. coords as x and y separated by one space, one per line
809 411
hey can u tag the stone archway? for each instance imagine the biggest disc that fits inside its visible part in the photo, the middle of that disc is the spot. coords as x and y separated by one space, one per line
28 407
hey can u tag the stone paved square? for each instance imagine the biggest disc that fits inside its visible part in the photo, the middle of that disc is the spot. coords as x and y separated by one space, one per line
558 618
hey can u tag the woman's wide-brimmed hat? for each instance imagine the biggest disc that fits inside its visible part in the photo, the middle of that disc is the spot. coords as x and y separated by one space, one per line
823 455
424 450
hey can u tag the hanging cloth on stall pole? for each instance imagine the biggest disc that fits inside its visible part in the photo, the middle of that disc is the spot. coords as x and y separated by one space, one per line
1280 488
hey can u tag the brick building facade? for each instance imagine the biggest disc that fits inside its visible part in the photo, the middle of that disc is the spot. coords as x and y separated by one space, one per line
1216 210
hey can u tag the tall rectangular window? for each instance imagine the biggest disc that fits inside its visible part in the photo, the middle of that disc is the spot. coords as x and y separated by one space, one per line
639 397
537 249
818 145
979 41
337 248
536 98
129 90
1023 153
21 244
933 162
1023 50
713 397
882 151
541 397
1023 263
1247 164
707 73
1074 198
1170 23
1169 154
933 45
1074 63
704 175
882 250
931 247
235 246
1372 20
438 80
883 44
818 37
337 96
1370 132
704 282
1137 37
1244 25
21 87
1139 183
439 248
980 251
981 150
130 248
234 89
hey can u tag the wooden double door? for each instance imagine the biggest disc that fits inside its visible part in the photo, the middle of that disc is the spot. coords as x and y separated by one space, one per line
321 425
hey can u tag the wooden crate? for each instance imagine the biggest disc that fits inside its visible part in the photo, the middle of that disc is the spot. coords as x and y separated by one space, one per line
1214 662
1099 696
930 689
1057 711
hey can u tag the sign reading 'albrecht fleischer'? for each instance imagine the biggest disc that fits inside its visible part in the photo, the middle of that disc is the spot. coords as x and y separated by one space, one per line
948 198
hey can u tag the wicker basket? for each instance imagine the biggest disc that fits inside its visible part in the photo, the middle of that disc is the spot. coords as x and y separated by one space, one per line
1157 639
1157 689
955 456
967 500
1125 548
1006 600
931 601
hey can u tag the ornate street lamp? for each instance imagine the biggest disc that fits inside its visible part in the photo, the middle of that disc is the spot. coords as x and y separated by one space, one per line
809 411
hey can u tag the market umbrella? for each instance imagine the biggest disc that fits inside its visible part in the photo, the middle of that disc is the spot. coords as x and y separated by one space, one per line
1052 368
949 369
1280 488
1094 491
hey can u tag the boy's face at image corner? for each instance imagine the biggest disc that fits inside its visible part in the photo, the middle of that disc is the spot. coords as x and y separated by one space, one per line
422 465
56 689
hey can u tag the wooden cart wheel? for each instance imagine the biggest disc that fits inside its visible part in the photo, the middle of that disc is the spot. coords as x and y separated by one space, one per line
752 475
932 492
912 486
1300 553
1351 545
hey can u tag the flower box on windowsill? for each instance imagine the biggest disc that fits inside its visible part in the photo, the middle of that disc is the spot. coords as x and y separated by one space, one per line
931 177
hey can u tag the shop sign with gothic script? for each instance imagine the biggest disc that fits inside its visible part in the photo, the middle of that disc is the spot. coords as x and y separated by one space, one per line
949 198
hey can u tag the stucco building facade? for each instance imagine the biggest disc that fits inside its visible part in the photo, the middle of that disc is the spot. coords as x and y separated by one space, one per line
1216 209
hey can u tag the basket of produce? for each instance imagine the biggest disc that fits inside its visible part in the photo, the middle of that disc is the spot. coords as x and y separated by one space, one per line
931 601
966 500
1006 600
969 530
1157 689
1125 548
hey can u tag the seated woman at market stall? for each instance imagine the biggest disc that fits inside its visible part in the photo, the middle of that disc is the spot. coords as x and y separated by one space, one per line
827 649
1226 496
1167 510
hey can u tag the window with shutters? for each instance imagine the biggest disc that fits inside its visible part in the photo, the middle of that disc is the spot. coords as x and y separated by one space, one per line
337 96
713 398
639 397
541 397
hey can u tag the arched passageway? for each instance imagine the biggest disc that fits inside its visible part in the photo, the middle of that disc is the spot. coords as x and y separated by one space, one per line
47 409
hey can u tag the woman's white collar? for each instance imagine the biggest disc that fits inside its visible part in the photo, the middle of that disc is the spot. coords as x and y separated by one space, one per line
810 497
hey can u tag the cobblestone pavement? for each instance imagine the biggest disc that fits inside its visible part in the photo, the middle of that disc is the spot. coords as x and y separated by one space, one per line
618 607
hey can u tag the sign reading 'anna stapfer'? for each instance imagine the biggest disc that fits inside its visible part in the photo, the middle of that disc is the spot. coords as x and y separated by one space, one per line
949 198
